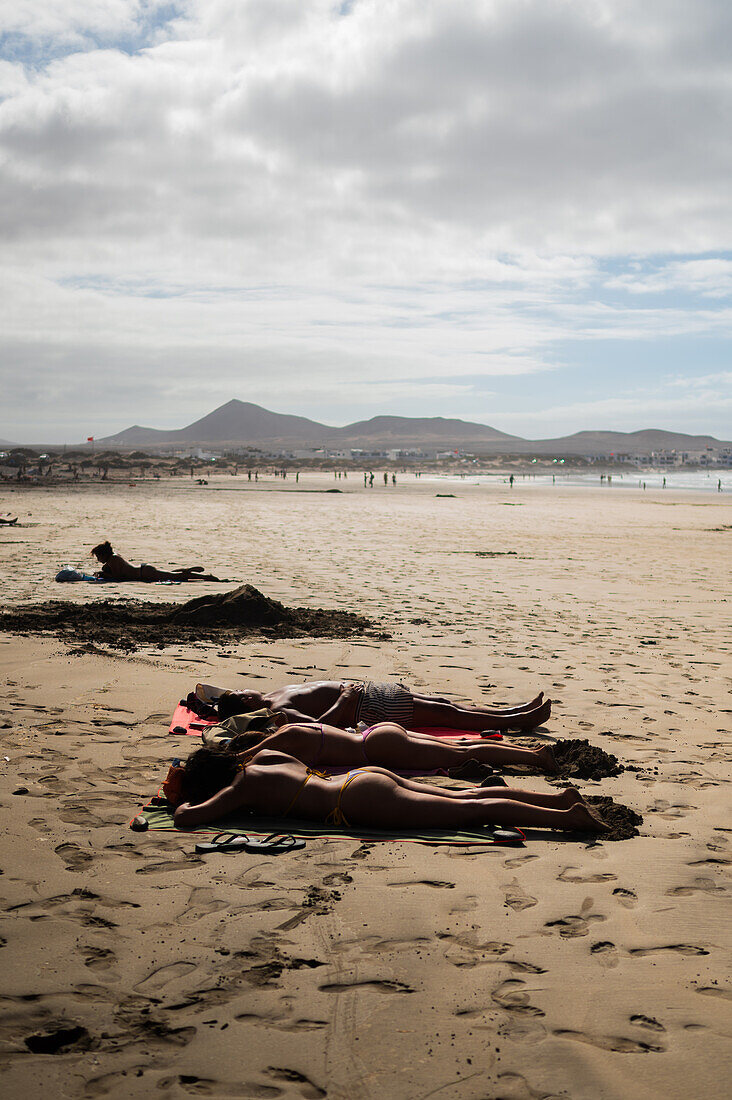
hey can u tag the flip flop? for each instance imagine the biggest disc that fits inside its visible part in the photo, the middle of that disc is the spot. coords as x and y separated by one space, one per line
275 844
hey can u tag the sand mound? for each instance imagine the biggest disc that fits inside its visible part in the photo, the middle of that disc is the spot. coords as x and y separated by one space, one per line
621 819
129 624
245 606
578 759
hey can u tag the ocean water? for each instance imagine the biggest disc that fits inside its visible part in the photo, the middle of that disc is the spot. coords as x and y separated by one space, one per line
676 480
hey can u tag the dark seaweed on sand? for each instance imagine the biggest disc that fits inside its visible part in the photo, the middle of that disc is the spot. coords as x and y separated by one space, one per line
222 618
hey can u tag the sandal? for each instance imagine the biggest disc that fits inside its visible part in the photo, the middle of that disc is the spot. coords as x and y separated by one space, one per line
275 844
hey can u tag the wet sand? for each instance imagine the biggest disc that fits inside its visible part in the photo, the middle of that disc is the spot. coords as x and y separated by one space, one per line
567 968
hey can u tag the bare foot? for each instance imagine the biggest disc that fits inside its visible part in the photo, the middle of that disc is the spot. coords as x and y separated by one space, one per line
546 761
533 718
570 796
520 708
584 819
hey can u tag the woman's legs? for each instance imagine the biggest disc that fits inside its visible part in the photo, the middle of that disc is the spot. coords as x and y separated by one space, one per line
391 746
152 573
497 712
377 801
457 717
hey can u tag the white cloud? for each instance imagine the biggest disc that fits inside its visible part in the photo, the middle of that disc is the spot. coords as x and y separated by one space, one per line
709 277
407 188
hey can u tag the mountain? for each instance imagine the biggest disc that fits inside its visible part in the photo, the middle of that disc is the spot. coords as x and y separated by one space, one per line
234 422
408 429
239 423
614 443
242 422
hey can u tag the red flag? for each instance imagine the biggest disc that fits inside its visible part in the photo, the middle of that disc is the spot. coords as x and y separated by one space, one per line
90 439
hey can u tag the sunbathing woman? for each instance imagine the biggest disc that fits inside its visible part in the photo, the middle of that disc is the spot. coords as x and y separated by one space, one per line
384 745
276 785
345 703
115 568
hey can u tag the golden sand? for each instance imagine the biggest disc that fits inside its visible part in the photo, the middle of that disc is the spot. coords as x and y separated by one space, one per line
561 969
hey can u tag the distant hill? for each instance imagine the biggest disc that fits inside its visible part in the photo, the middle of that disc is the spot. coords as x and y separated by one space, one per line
236 421
612 443
408 429
240 423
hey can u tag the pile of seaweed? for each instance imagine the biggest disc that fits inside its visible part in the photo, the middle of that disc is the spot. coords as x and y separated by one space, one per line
222 618
577 759
622 822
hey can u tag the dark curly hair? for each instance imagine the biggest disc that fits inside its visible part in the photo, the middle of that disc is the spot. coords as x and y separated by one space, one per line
243 742
207 771
103 551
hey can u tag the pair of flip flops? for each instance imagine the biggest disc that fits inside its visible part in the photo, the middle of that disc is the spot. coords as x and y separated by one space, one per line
276 844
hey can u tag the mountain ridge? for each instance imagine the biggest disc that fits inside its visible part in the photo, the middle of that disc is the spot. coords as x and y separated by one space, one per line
241 422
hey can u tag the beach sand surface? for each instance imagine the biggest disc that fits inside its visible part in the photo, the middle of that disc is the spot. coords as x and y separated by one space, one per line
131 967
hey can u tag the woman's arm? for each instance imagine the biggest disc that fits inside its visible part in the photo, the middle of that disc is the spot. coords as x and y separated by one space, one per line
223 802
343 711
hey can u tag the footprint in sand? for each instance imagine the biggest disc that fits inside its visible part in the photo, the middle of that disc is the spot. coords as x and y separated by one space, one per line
566 876
381 985
699 886
648 1022
337 878
576 924
281 1022
524 967
606 953
207 1086
616 1043
516 899
73 856
516 861
302 1085
163 975
435 884
102 1086
99 958
627 898
714 991
514 998
677 948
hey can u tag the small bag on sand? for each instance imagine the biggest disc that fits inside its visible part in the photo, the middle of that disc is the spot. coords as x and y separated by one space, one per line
173 784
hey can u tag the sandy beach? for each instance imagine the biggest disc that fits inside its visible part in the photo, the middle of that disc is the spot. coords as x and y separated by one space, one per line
562 969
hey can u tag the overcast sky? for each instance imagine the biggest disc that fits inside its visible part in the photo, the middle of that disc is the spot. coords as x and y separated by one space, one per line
509 211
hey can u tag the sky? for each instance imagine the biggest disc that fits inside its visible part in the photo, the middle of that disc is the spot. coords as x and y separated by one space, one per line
515 212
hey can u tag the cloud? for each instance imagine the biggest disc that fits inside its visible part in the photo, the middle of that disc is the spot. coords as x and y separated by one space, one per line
401 189
709 277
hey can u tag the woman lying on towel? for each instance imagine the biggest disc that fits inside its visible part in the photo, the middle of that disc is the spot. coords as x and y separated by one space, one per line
385 745
345 703
273 784
115 568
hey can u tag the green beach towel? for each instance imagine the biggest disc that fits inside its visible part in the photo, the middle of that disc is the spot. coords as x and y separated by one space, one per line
159 815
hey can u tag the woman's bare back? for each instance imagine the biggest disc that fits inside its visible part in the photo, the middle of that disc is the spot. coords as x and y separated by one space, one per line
276 785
